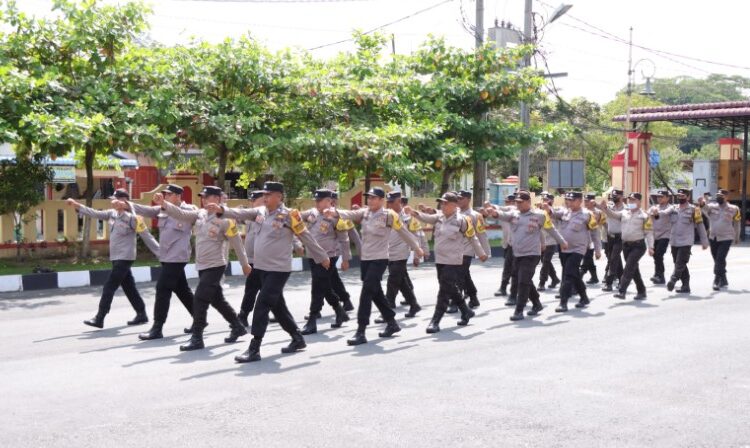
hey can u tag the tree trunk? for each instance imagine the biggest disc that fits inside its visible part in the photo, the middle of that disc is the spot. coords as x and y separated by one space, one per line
367 182
89 162
445 183
222 170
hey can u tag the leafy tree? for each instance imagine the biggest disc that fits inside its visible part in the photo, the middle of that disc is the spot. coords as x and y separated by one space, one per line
22 187
72 83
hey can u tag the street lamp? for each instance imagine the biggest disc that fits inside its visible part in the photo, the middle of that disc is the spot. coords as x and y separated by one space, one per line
523 160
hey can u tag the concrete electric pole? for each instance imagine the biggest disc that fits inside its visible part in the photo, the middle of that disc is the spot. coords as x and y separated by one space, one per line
480 166
523 159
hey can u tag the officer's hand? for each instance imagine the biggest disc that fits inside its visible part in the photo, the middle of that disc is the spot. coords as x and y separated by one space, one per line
247 269
419 253
326 263
483 258
299 251
487 204
598 254
329 212
73 203
415 262
705 246
158 199
701 201
651 252
564 246
214 208
356 207
345 265
603 203
408 210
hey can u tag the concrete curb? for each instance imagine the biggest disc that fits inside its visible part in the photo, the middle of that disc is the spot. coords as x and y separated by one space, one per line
142 274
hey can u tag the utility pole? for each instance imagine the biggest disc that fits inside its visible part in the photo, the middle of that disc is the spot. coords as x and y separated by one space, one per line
626 157
523 159
480 166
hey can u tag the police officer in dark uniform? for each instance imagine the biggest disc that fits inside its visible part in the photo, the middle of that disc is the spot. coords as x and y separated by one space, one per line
613 271
252 283
662 229
399 251
336 283
588 266
174 255
507 275
548 269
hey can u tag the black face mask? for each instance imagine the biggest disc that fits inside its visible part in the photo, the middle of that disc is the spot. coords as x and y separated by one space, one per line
720 200
683 200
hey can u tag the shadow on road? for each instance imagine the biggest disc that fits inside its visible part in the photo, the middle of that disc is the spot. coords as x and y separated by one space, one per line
207 354
528 323
267 366
23 303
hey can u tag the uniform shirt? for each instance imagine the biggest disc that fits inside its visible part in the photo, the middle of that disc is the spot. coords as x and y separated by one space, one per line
579 229
725 221
211 233
601 219
123 227
174 235
635 225
684 221
477 220
331 234
530 230
549 239
397 247
250 240
614 227
274 236
505 226
376 231
662 227
450 233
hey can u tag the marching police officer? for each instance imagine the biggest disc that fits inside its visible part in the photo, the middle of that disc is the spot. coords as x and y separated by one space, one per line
725 220
252 283
377 224
123 227
174 254
212 232
336 283
686 219
477 220
613 271
548 269
274 242
637 237
578 228
451 228
661 229
529 227
332 237
399 251
588 265
507 275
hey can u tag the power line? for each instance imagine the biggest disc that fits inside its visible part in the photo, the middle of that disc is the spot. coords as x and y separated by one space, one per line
274 1
414 14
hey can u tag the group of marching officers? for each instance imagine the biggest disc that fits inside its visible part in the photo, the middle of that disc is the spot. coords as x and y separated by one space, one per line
624 228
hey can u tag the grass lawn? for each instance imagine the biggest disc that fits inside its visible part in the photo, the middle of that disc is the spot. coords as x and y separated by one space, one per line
13 267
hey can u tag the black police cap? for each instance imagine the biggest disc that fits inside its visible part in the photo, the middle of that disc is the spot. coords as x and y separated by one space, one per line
376 191
210 190
392 196
323 193
172 188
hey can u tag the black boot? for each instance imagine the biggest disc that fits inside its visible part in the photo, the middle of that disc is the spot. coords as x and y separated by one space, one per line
583 302
466 316
535 310
297 344
404 303
619 295
685 288
473 302
563 307
189 330
607 287
391 328
452 309
341 317
413 310
511 301
518 313
140 318
311 327
433 327
717 283
251 354
195 342
723 281
593 280
153 333
640 296
541 287
312 316
555 282
96 321
243 318
503 291
359 337
670 284
237 330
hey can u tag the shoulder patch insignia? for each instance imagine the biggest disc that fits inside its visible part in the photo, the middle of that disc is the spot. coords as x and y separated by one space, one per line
296 220
140 225
737 216
648 224
697 216
593 224
469 227
231 229
480 224
414 226
396 221
547 221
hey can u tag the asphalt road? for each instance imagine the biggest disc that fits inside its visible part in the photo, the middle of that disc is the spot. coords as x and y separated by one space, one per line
671 371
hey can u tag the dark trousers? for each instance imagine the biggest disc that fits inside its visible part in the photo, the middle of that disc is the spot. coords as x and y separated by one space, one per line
681 257
719 252
399 281
322 286
614 263
525 269
338 286
660 248
588 266
633 252
548 269
271 299
209 293
449 280
507 266
467 285
120 276
571 264
172 280
252 287
372 292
